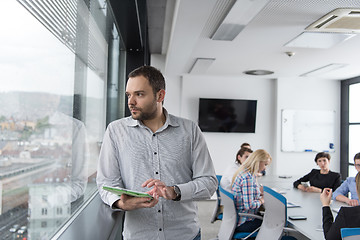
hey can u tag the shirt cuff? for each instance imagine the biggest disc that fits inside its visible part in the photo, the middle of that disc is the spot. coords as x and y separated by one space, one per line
112 200
186 193
326 210
335 194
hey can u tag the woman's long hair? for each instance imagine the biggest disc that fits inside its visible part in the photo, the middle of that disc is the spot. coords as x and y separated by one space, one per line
252 163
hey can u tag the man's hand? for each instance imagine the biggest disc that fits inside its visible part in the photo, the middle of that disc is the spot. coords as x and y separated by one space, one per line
261 190
352 202
160 189
129 203
325 196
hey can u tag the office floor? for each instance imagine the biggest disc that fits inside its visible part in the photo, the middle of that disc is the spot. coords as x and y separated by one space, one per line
208 230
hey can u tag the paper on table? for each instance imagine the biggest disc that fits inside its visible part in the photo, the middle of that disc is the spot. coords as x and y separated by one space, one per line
292 205
285 176
118 191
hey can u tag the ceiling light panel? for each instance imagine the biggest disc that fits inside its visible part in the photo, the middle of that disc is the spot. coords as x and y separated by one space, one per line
318 40
323 70
241 13
201 65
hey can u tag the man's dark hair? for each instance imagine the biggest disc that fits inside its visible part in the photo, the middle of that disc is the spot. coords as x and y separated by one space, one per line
155 77
321 155
357 156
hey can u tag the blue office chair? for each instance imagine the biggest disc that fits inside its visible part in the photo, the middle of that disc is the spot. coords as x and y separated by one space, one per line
217 214
350 233
230 218
275 217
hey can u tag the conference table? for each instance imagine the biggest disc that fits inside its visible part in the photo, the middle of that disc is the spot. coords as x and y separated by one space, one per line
305 204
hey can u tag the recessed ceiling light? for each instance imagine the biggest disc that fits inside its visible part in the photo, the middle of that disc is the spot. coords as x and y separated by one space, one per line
258 72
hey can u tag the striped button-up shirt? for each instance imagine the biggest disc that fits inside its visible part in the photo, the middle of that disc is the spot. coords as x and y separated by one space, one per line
177 155
247 194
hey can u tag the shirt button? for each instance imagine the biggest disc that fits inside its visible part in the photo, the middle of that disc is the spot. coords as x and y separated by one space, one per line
155 153
159 210
160 229
156 172
154 135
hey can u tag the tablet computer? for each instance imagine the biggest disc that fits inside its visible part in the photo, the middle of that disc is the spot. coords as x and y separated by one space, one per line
118 191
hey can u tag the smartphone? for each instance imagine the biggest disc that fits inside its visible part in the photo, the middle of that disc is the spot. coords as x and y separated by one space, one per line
305 184
297 217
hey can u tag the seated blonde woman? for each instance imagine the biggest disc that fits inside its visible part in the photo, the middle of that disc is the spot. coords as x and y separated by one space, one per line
246 190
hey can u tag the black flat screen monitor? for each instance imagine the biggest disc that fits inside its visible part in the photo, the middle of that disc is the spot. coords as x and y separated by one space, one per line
227 115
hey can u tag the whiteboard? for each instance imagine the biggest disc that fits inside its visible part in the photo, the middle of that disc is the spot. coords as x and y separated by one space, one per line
307 130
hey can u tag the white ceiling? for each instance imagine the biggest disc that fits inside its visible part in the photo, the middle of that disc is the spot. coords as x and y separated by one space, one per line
189 25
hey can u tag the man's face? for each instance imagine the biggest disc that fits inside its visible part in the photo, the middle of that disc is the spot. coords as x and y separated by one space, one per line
357 164
141 100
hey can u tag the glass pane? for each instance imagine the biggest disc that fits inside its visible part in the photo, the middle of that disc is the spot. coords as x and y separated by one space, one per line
352 171
354 143
354 99
48 157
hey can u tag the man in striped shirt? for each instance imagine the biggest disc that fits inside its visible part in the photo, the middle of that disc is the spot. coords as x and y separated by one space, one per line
155 152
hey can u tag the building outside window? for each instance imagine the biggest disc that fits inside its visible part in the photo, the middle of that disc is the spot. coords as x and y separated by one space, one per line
53 76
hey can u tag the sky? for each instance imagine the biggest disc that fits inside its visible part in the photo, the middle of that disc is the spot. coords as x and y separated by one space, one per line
32 59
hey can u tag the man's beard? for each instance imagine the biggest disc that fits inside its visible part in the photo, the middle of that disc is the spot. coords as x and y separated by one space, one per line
146 113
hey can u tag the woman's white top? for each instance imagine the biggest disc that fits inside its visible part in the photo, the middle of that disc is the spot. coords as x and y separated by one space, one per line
228 176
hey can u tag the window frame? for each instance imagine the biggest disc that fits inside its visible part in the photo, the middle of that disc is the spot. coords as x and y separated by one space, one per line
345 124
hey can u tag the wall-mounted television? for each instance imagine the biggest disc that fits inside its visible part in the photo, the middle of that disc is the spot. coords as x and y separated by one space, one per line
227 115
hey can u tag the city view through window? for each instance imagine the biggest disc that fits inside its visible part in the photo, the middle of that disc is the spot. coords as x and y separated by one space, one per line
52 116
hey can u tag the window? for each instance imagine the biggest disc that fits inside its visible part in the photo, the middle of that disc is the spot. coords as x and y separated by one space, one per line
354 125
43 211
350 122
59 211
53 75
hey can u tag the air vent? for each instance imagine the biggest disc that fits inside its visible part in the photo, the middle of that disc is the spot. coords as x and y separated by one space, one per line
341 20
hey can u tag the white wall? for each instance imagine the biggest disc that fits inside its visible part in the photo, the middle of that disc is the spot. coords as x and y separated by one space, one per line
224 146
173 85
307 94
183 94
